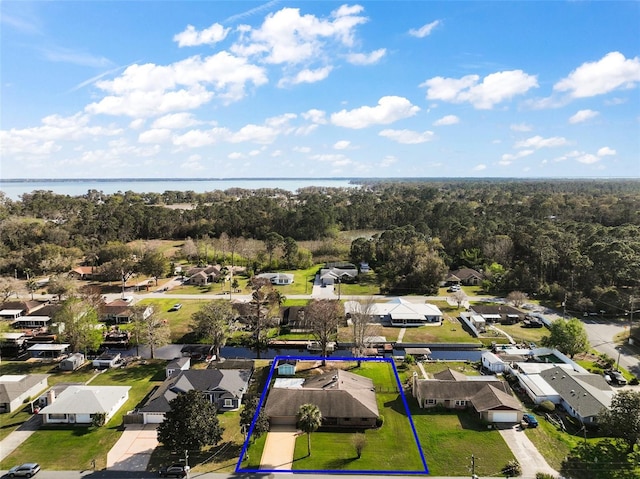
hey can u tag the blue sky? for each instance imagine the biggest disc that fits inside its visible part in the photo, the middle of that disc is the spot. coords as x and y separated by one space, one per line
188 89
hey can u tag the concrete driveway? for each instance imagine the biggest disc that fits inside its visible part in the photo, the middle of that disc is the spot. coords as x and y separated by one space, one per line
525 452
133 450
278 448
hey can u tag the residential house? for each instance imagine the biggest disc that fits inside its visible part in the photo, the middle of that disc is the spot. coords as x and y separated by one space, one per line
277 279
16 388
225 388
497 313
80 404
333 273
200 276
178 364
465 276
398 312
344 399
120 311
48 351
582 394
106 360
25 307
82 272
490 397
492 363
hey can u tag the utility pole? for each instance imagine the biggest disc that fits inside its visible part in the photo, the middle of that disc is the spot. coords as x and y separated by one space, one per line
473 467
632 300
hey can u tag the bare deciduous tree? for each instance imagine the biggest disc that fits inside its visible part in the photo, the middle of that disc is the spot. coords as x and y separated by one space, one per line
361 326
324 316
517 298
459 297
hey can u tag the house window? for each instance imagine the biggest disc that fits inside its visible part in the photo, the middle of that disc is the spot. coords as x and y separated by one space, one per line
57 417
461 403
430 401
228 403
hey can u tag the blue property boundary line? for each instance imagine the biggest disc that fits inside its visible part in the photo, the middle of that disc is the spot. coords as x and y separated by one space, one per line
240 469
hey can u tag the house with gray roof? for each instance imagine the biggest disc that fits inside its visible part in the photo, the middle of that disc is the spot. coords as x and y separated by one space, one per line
583 395
15 388
344 399
491 398
223 387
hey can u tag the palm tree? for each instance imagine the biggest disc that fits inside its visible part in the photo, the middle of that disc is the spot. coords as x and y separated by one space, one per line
309 420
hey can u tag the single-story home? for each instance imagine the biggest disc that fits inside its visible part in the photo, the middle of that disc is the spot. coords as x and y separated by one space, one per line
203 275
16 388
344 399
466 276
79 404
119 311
502 313
20 308
277 279
31 322
82 272
583 395
491 398
398 312
223 387
106 360
48 350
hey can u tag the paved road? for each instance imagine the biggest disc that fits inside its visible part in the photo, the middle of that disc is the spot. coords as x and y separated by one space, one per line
601 333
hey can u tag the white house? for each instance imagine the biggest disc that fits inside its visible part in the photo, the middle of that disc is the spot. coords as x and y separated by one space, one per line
278 279
79 404
398 312
492 362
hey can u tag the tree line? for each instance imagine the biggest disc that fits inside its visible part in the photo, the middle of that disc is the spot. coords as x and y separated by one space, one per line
578 240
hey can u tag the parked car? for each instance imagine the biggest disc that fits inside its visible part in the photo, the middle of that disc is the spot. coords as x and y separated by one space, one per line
615 377
454 288
530 420
25 470
175 307
175 470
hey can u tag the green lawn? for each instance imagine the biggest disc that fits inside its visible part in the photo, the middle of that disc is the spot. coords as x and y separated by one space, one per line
450 438
526 335
179 321
87 443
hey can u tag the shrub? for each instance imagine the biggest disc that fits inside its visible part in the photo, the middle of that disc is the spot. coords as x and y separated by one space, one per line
544 475
409 359
512 469
634 382
379 420
359 441
547 406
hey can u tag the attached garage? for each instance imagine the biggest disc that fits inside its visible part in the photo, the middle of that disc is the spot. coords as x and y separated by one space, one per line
282 420
504 416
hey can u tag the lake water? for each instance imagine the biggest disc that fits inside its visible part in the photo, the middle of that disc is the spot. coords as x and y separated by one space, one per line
13 189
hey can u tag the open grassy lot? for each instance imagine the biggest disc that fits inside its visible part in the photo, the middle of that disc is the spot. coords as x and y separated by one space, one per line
450 438
87 443
179 321
526 335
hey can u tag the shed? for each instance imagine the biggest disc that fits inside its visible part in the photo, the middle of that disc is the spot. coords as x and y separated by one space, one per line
73 362
418 352
287 368
492 362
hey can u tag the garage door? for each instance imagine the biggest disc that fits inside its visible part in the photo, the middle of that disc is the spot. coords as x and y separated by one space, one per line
505 417
283 420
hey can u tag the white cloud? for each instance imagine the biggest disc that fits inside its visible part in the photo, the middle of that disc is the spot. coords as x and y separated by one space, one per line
288 37
302 149
196 138
341 145
538 142
136 124
336 160
192 163
494 88
175 121
388 110
587 159
42 140
307 76
254 152
521 127
480 167
191 37
611 72
606 151
507 158
447 120
366 58
155 135
583 115
315 116
424 30
235 155
255 133
407 137
149 89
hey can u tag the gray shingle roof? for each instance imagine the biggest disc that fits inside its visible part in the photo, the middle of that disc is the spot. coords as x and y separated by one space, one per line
586 393
337 394
16 385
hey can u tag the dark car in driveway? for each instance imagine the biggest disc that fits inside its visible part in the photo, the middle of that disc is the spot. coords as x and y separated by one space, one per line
530 420
615 377
174 470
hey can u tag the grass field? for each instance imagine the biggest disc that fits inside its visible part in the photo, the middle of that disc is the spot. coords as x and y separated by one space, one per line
179 321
